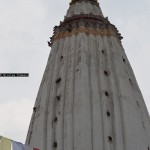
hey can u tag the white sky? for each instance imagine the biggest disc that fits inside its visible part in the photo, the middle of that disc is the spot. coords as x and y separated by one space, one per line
25 28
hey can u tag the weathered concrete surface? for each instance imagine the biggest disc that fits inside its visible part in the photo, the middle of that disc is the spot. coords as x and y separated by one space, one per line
97 104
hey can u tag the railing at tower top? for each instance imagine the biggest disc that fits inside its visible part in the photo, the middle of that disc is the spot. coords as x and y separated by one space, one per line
92 1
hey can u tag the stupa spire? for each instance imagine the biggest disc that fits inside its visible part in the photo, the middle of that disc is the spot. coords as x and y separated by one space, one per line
89 98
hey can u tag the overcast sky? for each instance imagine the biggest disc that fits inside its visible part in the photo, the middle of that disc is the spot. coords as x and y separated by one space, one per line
25 28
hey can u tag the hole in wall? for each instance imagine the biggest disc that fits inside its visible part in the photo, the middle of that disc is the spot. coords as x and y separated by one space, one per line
106 73
55 144
106 93
124 60
148 148
34 109
110 138
103 51
55 119
58 97
61 57
58 80
108 113
131 82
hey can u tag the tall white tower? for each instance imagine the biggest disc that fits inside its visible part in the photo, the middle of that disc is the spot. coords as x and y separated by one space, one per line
88 98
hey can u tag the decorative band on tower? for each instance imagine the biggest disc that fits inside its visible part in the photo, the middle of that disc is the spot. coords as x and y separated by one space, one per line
88 24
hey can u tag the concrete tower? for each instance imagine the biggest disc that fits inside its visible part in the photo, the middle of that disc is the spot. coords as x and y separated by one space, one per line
88 98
